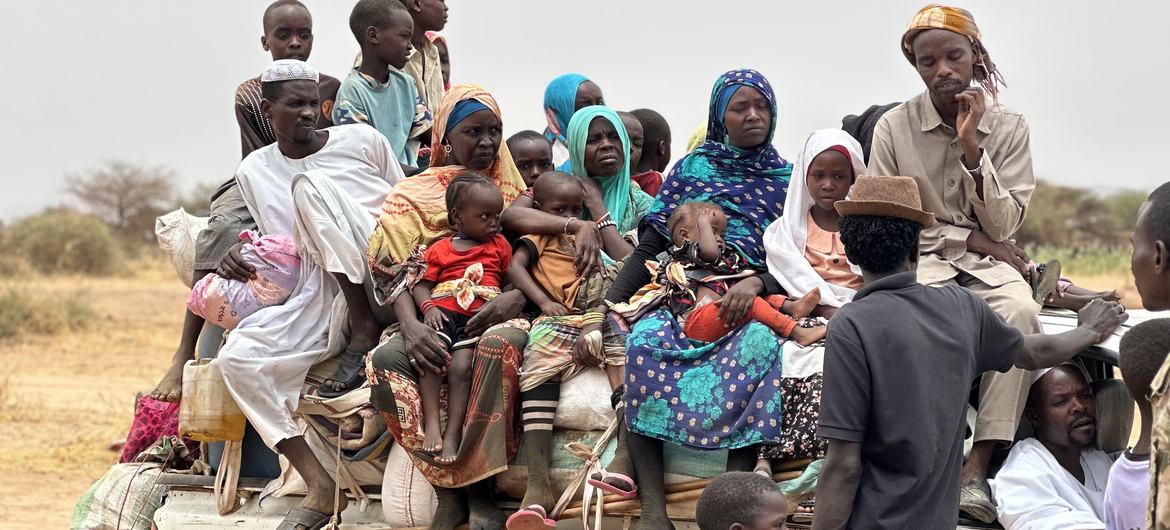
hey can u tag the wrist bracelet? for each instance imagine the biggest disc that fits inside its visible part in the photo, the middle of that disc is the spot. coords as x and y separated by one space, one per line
603 218
608 222
568 222
427 305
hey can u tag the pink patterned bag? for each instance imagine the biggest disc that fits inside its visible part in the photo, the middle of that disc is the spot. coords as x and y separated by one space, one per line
153 419
226 302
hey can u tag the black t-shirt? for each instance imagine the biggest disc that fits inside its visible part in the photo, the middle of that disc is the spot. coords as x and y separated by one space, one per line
899 362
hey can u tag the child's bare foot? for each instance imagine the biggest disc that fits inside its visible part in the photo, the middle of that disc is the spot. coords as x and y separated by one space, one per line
1075 302
450 445
432 443
807 336
805 305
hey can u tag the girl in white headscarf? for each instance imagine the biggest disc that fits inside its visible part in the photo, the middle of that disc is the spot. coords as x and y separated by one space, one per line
804 248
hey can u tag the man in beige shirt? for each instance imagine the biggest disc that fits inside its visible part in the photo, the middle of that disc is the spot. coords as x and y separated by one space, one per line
972 162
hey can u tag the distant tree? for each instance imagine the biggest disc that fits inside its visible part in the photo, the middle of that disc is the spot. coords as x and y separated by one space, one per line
126 196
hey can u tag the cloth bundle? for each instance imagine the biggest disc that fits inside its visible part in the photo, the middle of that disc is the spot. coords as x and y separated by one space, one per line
225 302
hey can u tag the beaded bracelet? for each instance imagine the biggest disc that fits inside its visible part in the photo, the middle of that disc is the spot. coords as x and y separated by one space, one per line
608 222
567 223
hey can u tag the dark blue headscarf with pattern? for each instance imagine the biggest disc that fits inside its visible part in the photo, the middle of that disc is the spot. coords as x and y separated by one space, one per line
749 184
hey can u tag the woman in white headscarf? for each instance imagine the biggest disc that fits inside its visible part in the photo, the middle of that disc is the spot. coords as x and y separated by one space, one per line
803 246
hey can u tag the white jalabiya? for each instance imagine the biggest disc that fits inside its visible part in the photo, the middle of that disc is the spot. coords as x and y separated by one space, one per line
329 201
1034 492
785 238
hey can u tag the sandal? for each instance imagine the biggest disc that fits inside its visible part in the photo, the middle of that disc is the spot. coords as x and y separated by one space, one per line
531 518
975 500
600 484
304 517
351 371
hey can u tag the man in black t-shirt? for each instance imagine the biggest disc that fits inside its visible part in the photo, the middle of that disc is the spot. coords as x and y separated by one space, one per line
899 362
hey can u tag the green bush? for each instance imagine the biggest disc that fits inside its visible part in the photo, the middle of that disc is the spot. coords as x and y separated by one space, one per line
42 315
64 242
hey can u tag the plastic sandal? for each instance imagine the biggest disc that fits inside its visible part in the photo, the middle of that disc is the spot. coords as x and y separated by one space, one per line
530 518
610 488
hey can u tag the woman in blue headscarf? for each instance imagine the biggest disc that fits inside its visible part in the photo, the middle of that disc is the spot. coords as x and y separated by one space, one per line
724 394
564 96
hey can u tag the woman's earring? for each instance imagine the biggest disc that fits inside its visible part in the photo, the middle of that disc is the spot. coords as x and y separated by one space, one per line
447 148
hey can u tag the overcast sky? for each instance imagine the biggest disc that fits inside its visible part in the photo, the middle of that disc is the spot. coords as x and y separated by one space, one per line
152 82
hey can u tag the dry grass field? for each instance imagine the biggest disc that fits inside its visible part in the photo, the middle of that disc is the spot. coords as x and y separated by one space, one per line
65 395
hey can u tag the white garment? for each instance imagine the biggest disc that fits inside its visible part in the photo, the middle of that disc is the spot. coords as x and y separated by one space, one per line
1126 494
560 152
329 202
785 238
1035 493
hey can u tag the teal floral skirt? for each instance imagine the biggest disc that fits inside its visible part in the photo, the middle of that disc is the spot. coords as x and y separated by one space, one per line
719 395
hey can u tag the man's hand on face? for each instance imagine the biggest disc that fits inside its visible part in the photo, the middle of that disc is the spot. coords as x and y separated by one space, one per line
972 105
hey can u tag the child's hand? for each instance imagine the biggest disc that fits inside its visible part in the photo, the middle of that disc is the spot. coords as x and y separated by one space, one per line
553 309
434 319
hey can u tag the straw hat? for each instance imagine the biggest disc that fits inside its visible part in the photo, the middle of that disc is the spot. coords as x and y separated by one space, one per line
886 197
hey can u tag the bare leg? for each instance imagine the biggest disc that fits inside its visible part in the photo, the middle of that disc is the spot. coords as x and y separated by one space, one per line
319 484
170 387
646 454
975 468
458 390
364 330
428 386
452 509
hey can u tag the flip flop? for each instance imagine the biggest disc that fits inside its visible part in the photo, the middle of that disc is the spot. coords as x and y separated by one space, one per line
530 518
1045 280
353 368
310 519
610 488
975 500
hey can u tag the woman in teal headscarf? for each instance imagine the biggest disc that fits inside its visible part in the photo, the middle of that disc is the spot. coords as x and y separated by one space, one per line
599 156
564 96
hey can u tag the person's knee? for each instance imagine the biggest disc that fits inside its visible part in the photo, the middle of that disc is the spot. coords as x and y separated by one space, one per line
459 369
504 338
1017 307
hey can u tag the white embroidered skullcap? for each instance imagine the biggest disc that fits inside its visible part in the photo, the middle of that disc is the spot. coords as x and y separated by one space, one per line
289 70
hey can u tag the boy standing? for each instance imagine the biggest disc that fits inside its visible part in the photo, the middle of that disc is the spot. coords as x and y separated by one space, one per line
894 392
378 92
1143 349
1151 272
288 34
424 63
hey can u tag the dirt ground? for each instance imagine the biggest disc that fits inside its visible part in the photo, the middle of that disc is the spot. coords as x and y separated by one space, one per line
65 398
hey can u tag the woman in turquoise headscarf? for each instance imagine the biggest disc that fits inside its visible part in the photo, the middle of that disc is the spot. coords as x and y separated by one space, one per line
564 96
600 158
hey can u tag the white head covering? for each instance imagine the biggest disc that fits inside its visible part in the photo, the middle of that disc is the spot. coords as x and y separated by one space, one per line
289 70
785 238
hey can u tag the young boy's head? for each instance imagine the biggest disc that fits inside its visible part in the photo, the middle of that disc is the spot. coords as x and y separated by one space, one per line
383 29
288 30
428 15
683 224
1143 350
1150 262
636 135
474 204
740 500
655 141
558 193
532 154
881 222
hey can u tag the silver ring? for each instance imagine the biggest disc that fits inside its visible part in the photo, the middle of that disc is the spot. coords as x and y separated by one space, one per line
412 361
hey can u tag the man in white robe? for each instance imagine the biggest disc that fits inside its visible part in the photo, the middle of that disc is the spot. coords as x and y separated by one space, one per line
325 188
1056 480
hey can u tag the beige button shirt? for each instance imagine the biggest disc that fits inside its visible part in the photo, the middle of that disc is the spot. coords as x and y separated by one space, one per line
911 140
423 65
